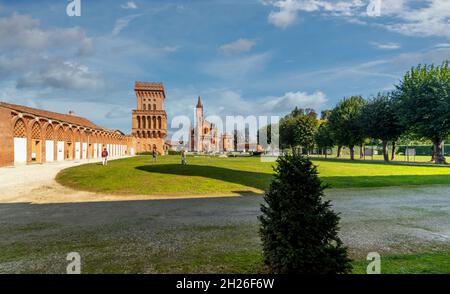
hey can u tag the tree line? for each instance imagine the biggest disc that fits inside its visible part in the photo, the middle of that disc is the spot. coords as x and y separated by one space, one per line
418 107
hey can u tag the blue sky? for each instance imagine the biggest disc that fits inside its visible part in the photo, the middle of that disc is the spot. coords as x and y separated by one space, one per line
248 57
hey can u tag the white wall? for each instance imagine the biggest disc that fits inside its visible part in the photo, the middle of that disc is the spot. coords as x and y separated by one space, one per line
77 150
95 150
84 150
60 151
49 151
20 150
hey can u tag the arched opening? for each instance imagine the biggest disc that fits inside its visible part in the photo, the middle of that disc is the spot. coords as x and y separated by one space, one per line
49 144
69 144
20 142
20 131
149 120
159 122
36 143
60 144
139 122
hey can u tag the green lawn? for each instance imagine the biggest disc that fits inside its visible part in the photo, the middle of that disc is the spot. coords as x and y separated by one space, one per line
227 176
423 263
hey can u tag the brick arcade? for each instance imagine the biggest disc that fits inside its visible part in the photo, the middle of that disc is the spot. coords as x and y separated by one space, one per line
29 135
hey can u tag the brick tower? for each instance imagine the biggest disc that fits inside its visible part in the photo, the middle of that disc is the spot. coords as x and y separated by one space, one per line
149 119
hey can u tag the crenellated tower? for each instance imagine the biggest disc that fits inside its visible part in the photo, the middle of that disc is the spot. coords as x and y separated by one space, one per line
149 119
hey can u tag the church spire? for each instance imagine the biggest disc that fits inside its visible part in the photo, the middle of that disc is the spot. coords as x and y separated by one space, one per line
199 102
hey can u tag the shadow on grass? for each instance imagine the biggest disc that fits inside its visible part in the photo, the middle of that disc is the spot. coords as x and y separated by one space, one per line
368 161
246 178
386 181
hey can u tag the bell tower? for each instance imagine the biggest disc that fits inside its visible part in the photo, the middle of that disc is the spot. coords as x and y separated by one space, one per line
149 119
199 125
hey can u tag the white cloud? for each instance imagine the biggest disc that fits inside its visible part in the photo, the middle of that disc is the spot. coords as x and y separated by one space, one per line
442 45
62 75
238 67
407 17
224 102
129 5
387 46
34 57
238 46
290 100
122 23
23 32
287 10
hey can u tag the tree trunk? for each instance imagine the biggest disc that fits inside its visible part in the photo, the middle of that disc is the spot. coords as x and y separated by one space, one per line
326 153
393 151
437 148
352 152
432 153
385 151
361 151
339 151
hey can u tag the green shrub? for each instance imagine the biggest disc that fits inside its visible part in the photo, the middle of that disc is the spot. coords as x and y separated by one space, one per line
299 230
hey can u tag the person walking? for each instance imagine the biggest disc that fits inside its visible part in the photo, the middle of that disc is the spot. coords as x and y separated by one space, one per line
154 154
105 156
183 157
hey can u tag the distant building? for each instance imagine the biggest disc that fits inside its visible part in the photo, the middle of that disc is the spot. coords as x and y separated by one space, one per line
204 135
227 144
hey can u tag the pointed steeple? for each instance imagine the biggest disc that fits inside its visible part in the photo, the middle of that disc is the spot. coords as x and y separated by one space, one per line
199 102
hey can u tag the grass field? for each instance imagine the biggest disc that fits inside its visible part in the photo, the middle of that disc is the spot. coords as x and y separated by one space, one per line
209 235
227 176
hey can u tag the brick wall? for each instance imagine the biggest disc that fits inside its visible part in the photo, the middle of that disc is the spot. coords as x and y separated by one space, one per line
6 138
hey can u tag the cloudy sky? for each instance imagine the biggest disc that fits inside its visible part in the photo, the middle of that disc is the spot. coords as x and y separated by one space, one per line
243 57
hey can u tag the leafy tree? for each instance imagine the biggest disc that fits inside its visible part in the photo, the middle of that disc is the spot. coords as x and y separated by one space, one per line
324 138
298 129
287 132
299 230
305 130
346 123
381 121
423 98
325 114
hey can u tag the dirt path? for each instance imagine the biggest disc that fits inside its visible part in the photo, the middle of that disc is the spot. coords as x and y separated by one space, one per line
36 184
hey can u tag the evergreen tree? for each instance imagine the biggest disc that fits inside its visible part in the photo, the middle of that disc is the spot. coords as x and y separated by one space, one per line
299 230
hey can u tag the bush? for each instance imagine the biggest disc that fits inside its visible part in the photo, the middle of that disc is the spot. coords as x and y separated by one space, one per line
299 230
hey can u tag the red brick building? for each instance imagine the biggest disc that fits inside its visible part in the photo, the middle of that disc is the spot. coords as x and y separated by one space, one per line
149 119
29 135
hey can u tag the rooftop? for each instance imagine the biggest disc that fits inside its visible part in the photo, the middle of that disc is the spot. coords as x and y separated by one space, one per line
72 119
148 86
